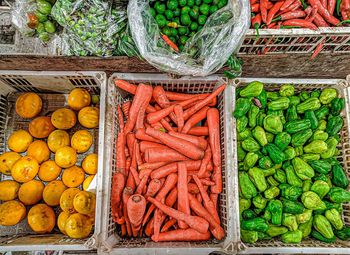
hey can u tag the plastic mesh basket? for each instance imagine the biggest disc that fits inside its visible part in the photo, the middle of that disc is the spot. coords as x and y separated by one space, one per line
309 245
114 244
53 87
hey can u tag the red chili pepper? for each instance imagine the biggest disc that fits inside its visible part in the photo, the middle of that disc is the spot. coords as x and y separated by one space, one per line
317 50
311 13
291 15
293 6
256 22
255 7
271 25
324 3
170 43
344 15
300 23
253 2
324 12
273 11
263 10
331 6
286 4
33 21
269 5
319 21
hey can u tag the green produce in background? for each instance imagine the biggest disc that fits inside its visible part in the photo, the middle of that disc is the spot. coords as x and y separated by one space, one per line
343 234
294 100
322 225
280 176
250 144
292 237
250 159
289 153
260 135
271 193
290 221
292 207
319 135
339 177
310 157
262 99
253 115
256 224
312 201
275 207
322 113
275 153
290 192
337 105
307 185
310 115
310 104
327 95
304 217
276 230
321 166
320 237
331 147
287 90
258 178
259 202
316 146
282 140
306 227
339 195
292 177
252 90
291 113
334 125
248 214
304 95
302 169
247 187
321 188
249 236
244 204
281 103
242 107
334 217
265 162
273 124
241 124
301 137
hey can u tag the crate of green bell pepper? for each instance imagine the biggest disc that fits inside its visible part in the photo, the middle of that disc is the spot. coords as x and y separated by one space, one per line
291 141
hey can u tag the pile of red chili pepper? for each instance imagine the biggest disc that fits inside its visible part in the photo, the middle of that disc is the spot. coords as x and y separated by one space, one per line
299 14
168 170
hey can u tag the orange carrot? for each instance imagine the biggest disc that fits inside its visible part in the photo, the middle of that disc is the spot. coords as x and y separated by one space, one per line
126 108
133 167
164 122
217 231
182 201
149 227
160 97
138 154
214 198
151 166
128 163
144 145
172 168
121 143
198 131
171 198
184 147
130 140
198 141
199 198
136 208
153 187
213 119
144 172
142 185
130 182
194 119
182 235
124 85
217 178
170 43
207 182
179 117
126 195
158 214
123 229
141 135
168 225
193 188
195 222
118 183
205 161
153 155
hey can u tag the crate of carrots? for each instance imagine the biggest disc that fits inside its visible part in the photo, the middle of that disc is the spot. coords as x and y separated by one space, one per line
298 26
170 165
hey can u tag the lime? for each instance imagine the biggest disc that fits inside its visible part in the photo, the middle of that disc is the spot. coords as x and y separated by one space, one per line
204 9
161 21
166 31
202 19
194 26
200 28
173 32
207 1
215 2
185 19
50 27
194 14
177 20
152 12
181 47
169 14
190 3
160 8
185 10
182 30
172 4
198 2
177 12
40 28
182 3
222 3
183 39
192 34
172 39
213 9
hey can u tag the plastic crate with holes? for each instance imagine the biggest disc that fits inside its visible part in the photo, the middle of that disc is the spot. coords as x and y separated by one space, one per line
111 242
53 88
279 41
309 245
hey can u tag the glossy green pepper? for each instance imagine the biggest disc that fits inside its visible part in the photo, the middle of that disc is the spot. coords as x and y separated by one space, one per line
319 135
301 137
269 171
253 89
272 181
324 178
295 126
253 115
292 237
244 204
321 238
291 113
310 115
322 125
339 177
311 104
270 137
244 135
292 207
315 93
265 162
287 90
339 195
260 135
312 201
331 148
294 100
304 216
306 227
322 225
320 187
337 105
307 185
302 169
290 221
276 230
304 95
343 234
292 178
280 176
43 7
276 155
249 236
289 153
260 118
322 113
272 192
262 98
250 160
333 161
258 178
334 217
310 157
334 125
273 124
281 103
316 146
275 207
290 192
247 187
240 152
321 166
248 214
272 95
256 224
250 144
259 202
282 140
241 123
327 95
242 107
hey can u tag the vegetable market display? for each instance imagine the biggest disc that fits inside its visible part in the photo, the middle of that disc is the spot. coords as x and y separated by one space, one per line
40 171
168 169
310 14
291 184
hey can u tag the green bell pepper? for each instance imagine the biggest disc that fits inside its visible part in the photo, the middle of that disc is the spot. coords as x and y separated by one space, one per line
343 234
322 225
321 238
302 169
291 113
276 155
294 100
249 236
240 152
246 186
292 178
320 187
331 148
292 237
250 144
306 227
316 146
253 116
311 104
322 113
339 195
244 204
301 137
241 123
307 185
287 90
334 217
324 178
332 161
290 221
250 160
280 176
334 125
248 214
292 207
257 177
289 153
271 193
315 93
322 125
259 202
281 103
262 98
310 157
304 217
310 115
321 166
290 192
265 162
295 126
244 135
327 95
273 124
339 177
282 140
260 135
253 89
337 105
319 135
275 207
270 137
242 107
312 201
276 230
256 224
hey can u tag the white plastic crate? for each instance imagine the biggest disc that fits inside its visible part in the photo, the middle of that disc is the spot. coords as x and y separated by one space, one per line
111 243
54 88
310 246
279 41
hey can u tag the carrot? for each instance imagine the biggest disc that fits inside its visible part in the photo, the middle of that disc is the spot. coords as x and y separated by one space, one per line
144 145
217 178
198 141
205 161
193 188
184 147
182 201
138 154
123 229
142 95
136 208
168 225
127 192
151 166
130 182
217 231
151 109
208 204
126 108
182 235
153 187
170 43
213 119
149 227
206 175
128 163
207 182
195 222
153 155
121 143
198 131
171 197
124 85
189 112
142 185
118 182
172 168
141 135
133 167
174 96
160 96
130 140
178 110
158 215
214 198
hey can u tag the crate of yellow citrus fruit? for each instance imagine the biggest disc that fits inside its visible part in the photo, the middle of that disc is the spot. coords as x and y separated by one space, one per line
51 126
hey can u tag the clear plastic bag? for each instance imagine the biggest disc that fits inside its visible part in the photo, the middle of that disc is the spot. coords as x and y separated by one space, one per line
204 53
